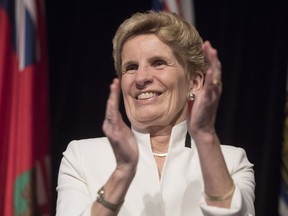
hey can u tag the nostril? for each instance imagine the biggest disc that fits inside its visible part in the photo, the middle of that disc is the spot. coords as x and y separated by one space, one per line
142 84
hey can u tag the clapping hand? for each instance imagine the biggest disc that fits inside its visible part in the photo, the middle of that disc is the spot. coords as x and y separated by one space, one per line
203 112
119 134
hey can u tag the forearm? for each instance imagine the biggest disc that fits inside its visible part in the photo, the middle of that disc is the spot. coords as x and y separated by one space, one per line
217 180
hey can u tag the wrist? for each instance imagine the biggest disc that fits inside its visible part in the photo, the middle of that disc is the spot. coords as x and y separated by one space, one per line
111 195
221 198
107 204
205 137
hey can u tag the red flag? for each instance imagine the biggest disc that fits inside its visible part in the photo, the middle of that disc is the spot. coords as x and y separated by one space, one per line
24 136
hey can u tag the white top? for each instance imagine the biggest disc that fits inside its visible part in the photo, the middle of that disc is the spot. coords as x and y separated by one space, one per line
87 164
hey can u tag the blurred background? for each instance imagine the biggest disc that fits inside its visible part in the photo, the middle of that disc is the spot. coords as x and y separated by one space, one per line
251 38
252 42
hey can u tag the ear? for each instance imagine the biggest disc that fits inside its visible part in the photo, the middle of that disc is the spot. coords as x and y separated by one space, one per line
196 82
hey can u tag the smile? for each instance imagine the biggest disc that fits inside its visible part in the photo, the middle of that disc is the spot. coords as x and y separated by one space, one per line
147 95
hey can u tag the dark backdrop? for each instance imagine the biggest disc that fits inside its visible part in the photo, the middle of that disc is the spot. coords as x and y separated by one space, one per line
251 38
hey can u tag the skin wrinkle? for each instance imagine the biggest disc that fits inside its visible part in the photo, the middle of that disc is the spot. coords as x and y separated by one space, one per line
146 61
156 113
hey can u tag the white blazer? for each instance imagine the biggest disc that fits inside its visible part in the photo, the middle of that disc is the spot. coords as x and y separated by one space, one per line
87 164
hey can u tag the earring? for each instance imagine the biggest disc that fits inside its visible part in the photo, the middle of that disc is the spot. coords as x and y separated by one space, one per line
191 96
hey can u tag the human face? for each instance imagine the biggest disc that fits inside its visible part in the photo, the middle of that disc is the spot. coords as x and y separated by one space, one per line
154 84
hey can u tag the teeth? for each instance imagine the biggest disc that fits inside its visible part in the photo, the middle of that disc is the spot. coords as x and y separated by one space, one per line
146 95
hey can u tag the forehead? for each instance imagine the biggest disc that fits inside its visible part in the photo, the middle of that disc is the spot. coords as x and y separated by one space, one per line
145 44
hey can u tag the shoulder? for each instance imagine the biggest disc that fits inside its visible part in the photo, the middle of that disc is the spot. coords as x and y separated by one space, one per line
229 149
90 156
89 149
235 157
88 144
232 153
89 160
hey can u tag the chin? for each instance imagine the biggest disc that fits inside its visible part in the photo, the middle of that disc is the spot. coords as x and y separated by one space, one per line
142 123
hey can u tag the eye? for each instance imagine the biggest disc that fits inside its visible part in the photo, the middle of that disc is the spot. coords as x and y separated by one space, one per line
132 68
159 64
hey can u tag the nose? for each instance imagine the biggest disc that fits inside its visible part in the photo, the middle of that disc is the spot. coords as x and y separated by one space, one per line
143 76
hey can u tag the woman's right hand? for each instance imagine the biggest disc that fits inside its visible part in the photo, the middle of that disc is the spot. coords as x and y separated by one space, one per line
125 148
119 134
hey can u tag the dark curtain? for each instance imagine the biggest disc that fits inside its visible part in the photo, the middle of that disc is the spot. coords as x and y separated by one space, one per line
251 38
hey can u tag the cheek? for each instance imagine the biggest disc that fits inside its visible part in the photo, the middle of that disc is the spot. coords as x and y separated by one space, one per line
180 93
181 88
124 86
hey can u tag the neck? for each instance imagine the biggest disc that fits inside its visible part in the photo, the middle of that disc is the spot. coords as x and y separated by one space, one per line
160 143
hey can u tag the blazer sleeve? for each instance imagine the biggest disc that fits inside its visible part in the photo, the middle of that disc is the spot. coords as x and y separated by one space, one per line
242 174
73 196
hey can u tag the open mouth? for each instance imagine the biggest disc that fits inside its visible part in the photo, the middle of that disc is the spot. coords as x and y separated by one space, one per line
147 95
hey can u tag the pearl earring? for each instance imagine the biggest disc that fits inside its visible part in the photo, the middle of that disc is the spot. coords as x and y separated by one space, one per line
191 96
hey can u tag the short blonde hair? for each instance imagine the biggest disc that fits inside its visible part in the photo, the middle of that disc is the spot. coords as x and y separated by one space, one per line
171 29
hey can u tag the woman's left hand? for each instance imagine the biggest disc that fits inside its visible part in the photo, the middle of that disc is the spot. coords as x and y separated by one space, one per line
202 112
201 126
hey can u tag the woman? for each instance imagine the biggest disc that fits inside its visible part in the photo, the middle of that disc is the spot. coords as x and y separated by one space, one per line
170 162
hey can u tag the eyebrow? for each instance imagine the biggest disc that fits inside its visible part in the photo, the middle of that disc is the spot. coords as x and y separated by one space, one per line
156 57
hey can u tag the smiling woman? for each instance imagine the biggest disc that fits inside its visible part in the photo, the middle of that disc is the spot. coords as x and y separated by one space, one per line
170 161
153 90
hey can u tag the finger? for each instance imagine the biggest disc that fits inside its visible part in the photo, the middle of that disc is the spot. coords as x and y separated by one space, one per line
115 94
113 101
213 63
